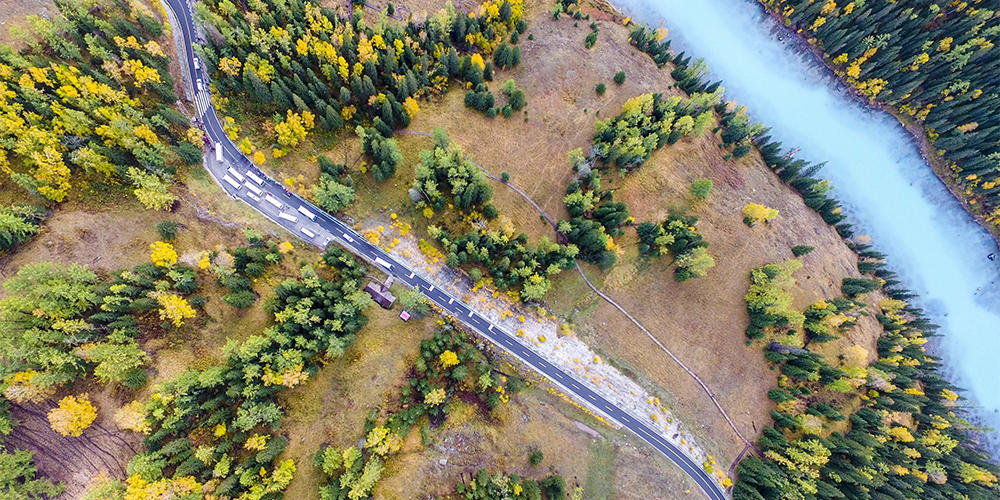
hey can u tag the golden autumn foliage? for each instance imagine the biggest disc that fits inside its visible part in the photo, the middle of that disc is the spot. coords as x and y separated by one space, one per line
150 190
448 359
173 308
759 213
25 386
163 254
294 129
411 107
435 397
137 488
73 415
132 417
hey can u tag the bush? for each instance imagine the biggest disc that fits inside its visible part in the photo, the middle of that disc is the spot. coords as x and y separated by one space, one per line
167 229
188 153
700 188
591 39
505 177
601 88
329 167
241 299
507 112
535 457
517 99
800 250
620 77
490 212
855 286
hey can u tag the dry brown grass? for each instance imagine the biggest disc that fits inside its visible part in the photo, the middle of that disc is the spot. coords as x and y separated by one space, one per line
701 320
15 14
333 405
332 408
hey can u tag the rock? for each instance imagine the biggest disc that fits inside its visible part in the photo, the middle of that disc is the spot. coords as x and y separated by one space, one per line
586 428
443 462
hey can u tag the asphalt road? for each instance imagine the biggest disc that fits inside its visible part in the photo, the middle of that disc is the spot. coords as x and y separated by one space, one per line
325 228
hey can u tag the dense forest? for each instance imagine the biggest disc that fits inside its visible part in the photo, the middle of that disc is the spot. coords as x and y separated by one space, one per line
298 57
934 61
89 100
856 429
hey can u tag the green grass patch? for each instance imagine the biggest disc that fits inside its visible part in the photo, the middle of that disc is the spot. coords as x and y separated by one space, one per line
600 482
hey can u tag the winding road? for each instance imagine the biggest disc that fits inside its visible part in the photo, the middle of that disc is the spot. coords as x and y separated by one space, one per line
242 181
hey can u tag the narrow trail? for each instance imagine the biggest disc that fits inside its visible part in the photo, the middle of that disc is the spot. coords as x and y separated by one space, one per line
631 318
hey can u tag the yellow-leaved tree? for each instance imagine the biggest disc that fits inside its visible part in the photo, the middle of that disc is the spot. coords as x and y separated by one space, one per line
137 488
754 213
294 129
73 415
448 358
258 158
411 107
151 190
163 254
435 397
173 308
132 417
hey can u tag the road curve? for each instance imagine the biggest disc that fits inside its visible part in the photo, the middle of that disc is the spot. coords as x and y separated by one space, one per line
293 213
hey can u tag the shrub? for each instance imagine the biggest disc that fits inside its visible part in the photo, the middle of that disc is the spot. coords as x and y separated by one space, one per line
591 39
517 99
620 77
601 88
188 153
167 229
505 177
800 250
700 188
490 212
535 457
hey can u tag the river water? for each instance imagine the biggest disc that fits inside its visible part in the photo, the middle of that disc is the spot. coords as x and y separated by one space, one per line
887 189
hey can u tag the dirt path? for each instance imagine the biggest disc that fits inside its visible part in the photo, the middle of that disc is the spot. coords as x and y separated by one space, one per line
629 316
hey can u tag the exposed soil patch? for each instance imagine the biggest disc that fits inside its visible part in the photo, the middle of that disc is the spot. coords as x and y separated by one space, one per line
102 448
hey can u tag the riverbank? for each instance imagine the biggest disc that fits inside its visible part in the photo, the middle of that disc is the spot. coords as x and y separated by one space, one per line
878 164
916 130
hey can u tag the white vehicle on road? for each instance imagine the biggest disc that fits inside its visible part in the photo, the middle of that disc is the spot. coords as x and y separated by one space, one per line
384 263
231 182
256 190
254 178
200 85
272 200
236 174
307 213
253 197
308 233
348 238
218 152
288 217
197 64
